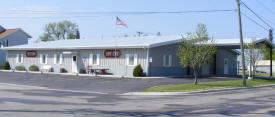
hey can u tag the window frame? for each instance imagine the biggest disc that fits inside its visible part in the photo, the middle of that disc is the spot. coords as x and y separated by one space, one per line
20 56
41 58
135 62
91 59
170 60
60 59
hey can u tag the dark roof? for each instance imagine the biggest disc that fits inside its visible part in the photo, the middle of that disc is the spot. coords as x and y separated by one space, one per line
7 32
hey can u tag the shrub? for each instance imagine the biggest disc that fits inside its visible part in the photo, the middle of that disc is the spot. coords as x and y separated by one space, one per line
33 68
138 71
20 68
7 66
63 70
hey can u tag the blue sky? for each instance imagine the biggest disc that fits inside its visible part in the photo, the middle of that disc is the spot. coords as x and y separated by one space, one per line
15 13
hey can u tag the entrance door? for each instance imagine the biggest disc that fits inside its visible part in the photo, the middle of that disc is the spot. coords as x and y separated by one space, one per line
74 64
226 66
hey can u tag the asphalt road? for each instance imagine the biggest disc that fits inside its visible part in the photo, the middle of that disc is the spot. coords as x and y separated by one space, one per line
91 84
30 101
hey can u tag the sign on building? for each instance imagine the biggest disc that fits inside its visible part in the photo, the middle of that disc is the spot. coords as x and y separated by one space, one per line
31 53
112 53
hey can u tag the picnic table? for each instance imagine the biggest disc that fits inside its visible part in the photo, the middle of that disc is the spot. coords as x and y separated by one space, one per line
98 70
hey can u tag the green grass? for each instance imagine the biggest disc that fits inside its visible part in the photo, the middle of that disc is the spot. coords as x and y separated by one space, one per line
1 68
257 74
209 85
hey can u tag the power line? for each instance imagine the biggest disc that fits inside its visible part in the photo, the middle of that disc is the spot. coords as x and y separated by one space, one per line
267 8
99 14
116 13
256 15
254 21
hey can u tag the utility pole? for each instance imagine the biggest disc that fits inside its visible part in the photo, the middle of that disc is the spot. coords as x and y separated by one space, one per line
241 42
270 51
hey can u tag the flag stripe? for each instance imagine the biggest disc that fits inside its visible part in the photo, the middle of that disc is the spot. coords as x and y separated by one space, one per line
119 22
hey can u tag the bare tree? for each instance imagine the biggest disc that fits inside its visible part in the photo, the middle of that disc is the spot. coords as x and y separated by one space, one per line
253 54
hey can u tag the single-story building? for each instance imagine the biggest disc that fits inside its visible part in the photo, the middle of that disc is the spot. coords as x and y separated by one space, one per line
156 55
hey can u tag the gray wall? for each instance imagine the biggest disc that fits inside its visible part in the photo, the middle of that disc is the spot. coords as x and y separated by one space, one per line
16 38
117 66
157 69
232 60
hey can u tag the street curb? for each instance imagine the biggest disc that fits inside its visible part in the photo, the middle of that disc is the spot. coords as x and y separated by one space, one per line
193 92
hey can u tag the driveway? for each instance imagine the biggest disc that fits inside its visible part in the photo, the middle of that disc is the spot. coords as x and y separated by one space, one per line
102 85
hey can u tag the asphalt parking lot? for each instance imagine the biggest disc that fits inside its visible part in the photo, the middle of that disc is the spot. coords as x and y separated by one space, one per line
92 84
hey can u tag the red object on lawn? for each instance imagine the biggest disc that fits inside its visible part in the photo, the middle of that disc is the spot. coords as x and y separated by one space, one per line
103 71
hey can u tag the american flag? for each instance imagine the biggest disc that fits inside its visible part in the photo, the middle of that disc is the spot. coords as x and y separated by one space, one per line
119 22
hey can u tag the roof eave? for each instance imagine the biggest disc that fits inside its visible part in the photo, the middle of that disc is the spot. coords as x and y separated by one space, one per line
75 48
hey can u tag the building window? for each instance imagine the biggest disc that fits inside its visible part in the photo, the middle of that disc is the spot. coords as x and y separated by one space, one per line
7 43
131 59
19 58
57 58
94 59
167 60
43 58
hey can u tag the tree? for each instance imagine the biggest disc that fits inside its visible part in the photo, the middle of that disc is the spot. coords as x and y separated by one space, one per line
253 54
60 30
158 34
266 54
196 50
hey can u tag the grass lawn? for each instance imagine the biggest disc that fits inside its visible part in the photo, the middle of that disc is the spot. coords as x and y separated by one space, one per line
209 85
1 68
257 74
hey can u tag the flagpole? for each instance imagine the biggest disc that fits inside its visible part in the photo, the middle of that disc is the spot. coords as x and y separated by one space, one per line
116 44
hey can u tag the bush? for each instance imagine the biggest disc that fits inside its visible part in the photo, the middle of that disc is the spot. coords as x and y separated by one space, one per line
33 68
20 68
138 71
63 70
7 66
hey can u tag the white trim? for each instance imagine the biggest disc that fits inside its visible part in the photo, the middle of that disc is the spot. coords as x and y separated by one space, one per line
41 58
22 58
135 59
17 58
97 59
46 58
61 59
54 59
91 59
128 59
147 62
